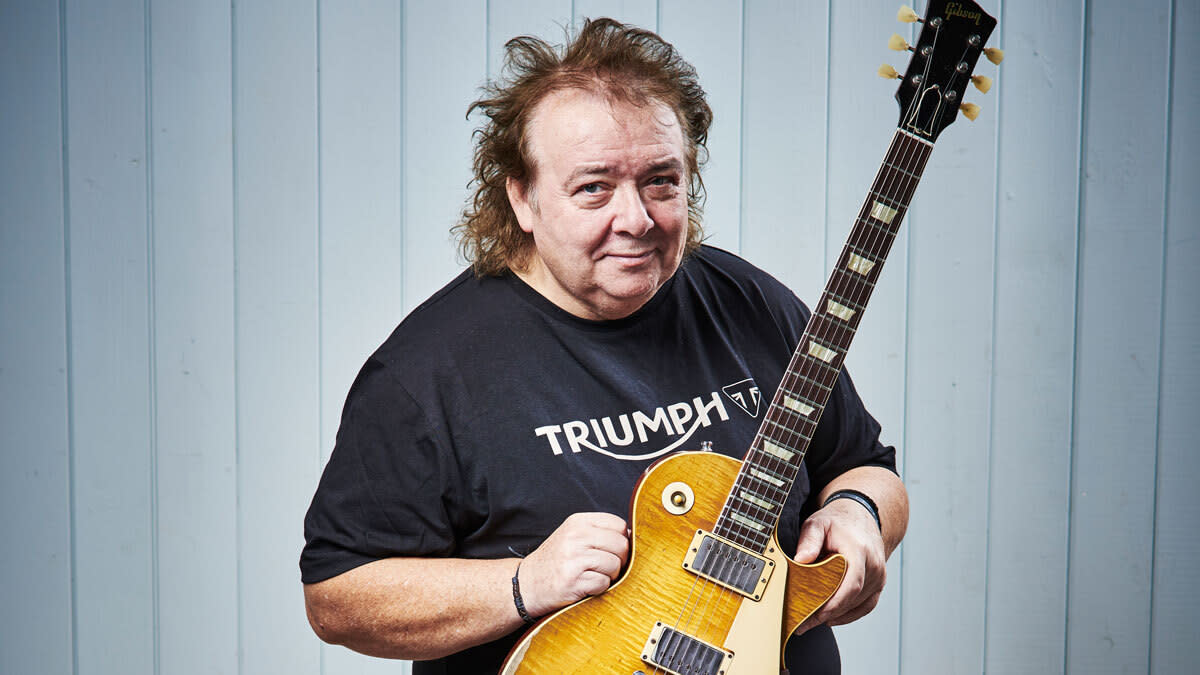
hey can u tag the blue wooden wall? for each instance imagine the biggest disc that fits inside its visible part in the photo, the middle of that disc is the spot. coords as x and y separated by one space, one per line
211 212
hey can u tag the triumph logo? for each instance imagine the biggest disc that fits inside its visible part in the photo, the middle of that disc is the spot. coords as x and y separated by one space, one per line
745 394
672 425
663 429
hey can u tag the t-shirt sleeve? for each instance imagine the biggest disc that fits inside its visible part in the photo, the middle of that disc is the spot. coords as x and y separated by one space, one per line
385 490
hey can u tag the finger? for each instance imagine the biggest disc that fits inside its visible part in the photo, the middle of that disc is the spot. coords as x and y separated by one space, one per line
858 612
845 598
812 541
610 542
608 521
606 564
593 583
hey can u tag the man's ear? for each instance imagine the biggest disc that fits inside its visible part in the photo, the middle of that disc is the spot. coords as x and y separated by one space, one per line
520 200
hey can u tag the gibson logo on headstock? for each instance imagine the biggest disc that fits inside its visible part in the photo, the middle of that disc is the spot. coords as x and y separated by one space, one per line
956 9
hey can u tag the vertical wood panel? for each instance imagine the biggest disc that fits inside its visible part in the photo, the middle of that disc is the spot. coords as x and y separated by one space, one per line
1117 362
861 118
35 561
1034 324
360 195
194 337
110 329
1176 599
709 36
439 84
275 123
950 310
783 142
642 13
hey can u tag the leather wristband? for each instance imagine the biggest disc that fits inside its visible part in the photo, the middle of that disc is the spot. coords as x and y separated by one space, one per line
517 598
861 498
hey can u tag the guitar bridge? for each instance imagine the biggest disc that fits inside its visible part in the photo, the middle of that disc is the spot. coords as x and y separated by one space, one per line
736 568
681 654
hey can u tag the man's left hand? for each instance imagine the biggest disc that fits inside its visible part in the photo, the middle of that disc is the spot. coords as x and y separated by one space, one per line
845 527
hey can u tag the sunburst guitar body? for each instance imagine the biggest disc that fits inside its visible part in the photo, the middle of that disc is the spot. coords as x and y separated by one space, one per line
662 616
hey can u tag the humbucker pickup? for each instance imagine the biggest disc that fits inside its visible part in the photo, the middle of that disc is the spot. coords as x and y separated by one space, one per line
728 564
681 654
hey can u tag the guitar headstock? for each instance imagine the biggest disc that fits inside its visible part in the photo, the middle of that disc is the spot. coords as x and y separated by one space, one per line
953 35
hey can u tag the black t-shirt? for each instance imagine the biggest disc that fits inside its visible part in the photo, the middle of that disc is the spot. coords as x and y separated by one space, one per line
490 415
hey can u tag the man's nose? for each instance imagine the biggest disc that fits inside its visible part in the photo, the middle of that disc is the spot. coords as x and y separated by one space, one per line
631 216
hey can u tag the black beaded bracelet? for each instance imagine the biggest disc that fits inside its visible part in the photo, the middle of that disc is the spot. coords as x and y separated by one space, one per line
517 598
859 497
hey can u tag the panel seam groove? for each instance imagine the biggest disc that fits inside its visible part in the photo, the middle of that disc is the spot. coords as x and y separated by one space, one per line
68 334
1162 321
1080 194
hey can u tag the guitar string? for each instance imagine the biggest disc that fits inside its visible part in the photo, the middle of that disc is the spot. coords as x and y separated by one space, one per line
793 423
903 149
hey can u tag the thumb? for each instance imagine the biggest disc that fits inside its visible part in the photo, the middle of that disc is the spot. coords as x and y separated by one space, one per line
812 540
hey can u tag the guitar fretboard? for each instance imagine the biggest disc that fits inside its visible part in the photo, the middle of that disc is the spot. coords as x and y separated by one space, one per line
752 509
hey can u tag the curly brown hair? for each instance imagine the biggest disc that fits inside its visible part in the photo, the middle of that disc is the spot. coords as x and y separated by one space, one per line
622 63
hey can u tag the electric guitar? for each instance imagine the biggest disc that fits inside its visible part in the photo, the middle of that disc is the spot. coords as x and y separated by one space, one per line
708 590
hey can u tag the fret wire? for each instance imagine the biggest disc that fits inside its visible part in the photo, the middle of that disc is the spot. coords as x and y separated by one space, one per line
783 428
902 170
775 490
796 415
826 323
810 388
849 303
903 184
862 241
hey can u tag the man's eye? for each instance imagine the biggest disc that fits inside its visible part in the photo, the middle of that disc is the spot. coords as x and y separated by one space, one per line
590 188
662 180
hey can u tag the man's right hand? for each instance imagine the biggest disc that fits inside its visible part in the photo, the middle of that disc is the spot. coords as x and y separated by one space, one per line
582 557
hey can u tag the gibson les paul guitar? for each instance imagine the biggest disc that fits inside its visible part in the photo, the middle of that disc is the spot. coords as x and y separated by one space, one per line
708 590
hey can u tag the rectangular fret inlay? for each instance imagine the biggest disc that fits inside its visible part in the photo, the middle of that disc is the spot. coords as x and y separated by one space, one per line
778 450
839 310
821 352
766 477
798 406
859 264
883 213
748 522
760 503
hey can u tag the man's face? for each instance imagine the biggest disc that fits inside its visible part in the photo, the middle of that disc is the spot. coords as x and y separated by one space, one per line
607 207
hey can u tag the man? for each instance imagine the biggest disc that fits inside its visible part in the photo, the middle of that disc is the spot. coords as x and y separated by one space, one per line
499 431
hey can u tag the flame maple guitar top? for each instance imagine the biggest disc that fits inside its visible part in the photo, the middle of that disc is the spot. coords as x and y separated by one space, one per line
608 633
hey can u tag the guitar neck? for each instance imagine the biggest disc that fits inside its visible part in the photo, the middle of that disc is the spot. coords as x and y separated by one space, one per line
752 509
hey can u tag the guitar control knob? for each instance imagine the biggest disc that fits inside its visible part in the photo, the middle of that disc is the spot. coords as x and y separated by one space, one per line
678 498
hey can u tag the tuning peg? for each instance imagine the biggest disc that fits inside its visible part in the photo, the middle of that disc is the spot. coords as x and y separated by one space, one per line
888 73
994 55
969 110
907 15
897 43
982 82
